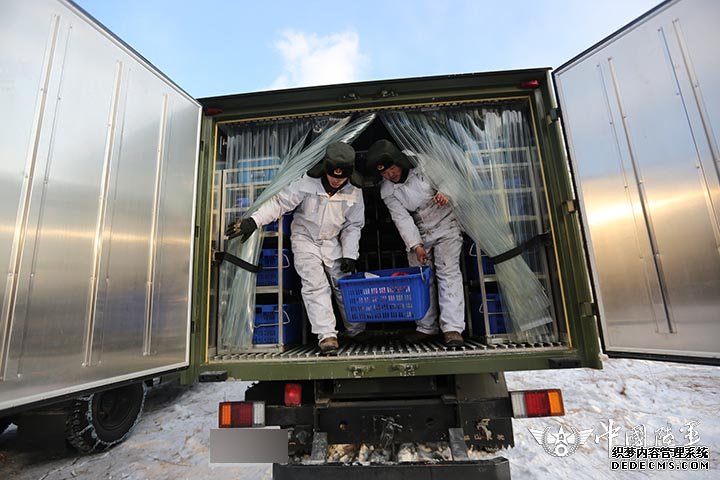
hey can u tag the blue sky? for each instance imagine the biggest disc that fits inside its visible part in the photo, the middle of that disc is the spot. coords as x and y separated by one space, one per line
217 47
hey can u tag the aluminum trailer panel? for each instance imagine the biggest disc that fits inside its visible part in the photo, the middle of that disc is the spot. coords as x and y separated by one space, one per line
642 113
97 194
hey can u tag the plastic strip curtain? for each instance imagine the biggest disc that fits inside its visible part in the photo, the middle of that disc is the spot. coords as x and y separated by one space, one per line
442 147
237 328
254 155
502 149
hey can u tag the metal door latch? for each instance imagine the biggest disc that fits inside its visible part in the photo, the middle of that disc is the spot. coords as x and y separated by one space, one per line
350 97
554 114
360 370
405 369
385 94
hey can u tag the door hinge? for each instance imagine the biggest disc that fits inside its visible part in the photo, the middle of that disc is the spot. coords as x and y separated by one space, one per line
553 115
588 309
570 206
202 145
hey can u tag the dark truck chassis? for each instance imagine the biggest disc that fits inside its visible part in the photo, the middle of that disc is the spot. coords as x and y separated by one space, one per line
462 410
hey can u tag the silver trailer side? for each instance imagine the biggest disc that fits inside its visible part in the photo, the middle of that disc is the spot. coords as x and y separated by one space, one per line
642 113
98 158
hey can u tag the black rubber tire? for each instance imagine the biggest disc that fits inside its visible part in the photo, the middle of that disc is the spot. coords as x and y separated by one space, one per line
4 424
103 419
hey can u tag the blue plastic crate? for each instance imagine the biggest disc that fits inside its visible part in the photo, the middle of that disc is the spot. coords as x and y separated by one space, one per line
262 176
242 202
255 176
250 163
470 252
268 276
494 304
521 205
533 259
496 315
476 313
266 324
497 323
387 298
517 177
287 220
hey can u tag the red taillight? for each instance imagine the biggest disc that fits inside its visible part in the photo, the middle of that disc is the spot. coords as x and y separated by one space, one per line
293 394
241 414
537 403
210 111
530 84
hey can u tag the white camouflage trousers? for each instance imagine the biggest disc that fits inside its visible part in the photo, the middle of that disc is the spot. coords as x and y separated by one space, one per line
446 286
318 280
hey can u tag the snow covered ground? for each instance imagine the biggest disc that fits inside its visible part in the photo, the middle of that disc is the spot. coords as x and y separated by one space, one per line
171 440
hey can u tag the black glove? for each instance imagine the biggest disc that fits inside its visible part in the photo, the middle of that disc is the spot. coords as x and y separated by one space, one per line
347 265
244 227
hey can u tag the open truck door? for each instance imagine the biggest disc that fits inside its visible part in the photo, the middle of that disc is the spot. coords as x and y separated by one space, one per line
641 115
97 203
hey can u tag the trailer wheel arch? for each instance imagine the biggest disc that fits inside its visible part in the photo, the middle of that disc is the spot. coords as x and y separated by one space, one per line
98 421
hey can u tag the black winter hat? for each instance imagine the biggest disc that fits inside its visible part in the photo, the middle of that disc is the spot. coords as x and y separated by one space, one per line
339 162
384 154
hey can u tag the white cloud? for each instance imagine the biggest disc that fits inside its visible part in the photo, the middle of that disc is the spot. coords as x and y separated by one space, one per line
309 59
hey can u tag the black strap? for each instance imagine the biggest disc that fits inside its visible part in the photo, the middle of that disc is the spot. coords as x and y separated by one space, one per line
237 261
526 245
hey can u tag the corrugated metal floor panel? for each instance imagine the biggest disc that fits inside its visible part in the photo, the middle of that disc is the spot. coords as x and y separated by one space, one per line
391 348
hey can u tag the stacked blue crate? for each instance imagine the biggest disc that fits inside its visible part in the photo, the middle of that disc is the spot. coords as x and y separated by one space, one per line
517 177
494 309
533 259
242 202
495 313
265 330
268 276
521 205
287 221
470 253
255 177
254 171
249 177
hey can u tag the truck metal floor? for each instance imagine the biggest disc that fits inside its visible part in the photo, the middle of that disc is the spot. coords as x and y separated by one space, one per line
387 349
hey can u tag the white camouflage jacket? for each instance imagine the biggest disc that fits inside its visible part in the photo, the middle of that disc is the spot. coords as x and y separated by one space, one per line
415 214
322 224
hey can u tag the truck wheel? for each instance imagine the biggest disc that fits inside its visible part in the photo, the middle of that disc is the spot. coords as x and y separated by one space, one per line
99 421
4 423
